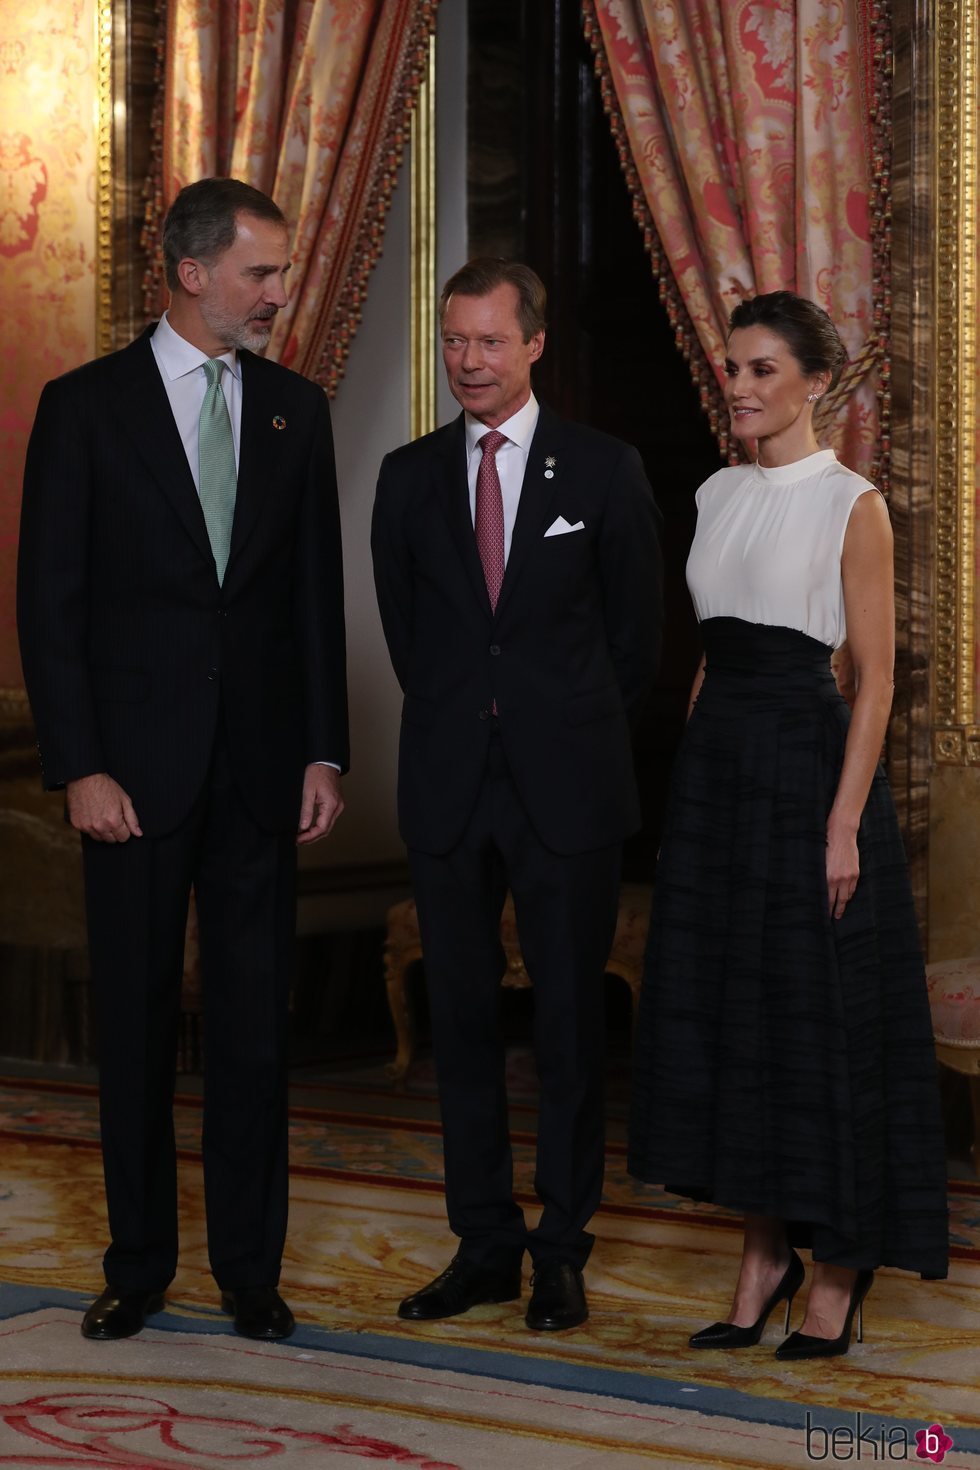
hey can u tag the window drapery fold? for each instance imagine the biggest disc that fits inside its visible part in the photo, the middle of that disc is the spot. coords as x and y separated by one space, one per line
744 134
309 101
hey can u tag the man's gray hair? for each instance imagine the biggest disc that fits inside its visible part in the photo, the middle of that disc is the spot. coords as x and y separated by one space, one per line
483 274
203 220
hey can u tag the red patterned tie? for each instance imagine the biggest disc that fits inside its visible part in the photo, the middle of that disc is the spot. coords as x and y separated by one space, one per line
489 522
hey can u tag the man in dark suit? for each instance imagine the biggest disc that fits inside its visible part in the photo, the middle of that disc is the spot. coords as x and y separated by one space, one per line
181 616
518 572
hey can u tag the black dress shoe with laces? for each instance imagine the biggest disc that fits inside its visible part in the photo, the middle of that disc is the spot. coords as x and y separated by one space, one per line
557 1297
259 1312
117 1314
462 1285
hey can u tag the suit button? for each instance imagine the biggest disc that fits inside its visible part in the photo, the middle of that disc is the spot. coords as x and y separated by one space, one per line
484 714
494 649
212 674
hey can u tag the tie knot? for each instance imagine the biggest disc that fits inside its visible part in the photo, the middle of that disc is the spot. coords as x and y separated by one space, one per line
213 367
492 441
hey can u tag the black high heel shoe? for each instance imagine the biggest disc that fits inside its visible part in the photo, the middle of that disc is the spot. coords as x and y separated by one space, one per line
803 1345
728 1335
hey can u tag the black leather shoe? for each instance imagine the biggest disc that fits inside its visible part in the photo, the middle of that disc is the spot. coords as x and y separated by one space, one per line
118 1314
802 1345
727 1335
462 1285
557 1297
259 1312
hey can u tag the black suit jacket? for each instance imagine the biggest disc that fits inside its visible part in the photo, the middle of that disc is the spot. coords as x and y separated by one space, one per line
573 643
130 647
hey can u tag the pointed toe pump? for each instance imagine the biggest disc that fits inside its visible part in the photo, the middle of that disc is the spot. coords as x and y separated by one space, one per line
728 1335
802 1345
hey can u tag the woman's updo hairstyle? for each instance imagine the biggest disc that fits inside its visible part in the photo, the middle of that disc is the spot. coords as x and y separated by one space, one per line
803 325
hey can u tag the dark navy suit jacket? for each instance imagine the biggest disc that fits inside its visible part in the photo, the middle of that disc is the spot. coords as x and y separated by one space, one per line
573 643
131 650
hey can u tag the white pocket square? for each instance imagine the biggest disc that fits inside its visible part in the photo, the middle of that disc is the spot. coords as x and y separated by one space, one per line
562 528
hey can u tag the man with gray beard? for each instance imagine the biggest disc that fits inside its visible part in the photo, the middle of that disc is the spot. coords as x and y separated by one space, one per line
181 617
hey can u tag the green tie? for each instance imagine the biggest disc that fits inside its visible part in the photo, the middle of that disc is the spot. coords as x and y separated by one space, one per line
219 477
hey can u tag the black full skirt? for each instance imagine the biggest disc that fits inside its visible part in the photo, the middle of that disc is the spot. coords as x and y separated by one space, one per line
784 1061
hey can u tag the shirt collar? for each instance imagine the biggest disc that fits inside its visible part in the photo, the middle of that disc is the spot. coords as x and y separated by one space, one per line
519 428
178 357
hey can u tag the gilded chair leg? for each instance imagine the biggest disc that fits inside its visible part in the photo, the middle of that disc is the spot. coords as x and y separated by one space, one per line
396 969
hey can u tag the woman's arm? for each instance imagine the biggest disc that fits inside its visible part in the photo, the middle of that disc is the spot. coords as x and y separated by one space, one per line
842 668
869 607
696 688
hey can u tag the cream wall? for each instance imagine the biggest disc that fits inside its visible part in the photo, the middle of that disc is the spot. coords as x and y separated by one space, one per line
371 417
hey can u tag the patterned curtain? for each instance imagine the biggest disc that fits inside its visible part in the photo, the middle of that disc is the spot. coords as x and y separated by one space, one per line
744 130
308 100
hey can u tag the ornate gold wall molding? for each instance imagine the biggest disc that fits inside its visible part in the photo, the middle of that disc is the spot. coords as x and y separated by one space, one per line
103 180
956 720
128 64
423 254
910 228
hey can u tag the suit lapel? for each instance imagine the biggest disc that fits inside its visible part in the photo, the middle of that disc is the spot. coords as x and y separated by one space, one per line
534 510
260 404
142 402
449 474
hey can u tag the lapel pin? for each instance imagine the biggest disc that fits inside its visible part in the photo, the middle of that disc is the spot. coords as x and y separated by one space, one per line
278 421
550 463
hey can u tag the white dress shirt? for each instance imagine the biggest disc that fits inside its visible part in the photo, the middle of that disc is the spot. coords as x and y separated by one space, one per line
511 461
180 364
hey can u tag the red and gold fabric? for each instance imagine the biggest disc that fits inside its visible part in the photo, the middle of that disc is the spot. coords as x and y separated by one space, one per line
746 131
308 101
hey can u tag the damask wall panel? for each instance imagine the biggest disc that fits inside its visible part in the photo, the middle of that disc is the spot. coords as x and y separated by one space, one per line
48 138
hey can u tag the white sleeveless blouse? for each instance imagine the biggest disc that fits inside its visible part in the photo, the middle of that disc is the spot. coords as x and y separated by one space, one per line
768 545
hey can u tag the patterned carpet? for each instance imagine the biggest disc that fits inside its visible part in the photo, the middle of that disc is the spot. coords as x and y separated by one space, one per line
356 1385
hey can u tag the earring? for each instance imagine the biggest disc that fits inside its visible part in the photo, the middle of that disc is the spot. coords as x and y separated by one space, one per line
812 397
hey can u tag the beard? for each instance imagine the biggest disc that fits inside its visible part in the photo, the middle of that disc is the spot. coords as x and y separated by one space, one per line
230 330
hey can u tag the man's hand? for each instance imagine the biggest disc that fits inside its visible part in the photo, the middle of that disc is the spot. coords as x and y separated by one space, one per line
322 803
99 807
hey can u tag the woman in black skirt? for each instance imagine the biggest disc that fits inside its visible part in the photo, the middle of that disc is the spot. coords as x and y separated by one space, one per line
784 1064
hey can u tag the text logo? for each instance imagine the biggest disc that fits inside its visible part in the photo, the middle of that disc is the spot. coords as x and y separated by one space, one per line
866 1440
932 1444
